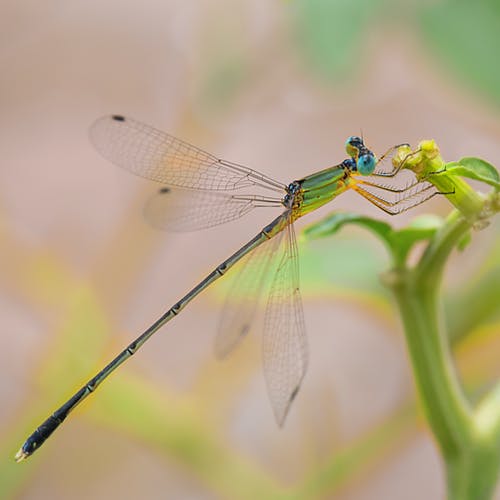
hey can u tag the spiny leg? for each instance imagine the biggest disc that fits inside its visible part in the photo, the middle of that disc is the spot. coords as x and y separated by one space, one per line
388 203
391 189
397 207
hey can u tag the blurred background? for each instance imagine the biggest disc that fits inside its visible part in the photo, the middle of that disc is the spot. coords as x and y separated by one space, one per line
277 86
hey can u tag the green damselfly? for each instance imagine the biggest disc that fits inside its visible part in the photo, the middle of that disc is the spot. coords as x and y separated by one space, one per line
197 194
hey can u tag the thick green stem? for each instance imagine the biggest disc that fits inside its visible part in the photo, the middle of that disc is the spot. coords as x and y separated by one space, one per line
469 452
430 268
444 403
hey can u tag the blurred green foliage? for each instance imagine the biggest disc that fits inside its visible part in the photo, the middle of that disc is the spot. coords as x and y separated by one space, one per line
462 36
465 36
331 35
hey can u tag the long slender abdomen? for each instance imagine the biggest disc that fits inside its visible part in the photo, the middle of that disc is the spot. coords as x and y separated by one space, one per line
40 435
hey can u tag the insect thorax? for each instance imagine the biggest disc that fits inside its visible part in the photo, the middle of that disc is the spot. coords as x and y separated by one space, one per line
292 198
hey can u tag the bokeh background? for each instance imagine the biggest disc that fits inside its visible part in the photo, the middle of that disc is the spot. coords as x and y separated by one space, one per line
278 86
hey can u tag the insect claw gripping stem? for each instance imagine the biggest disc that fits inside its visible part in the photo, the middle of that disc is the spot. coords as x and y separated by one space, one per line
401 164
391 149
428 165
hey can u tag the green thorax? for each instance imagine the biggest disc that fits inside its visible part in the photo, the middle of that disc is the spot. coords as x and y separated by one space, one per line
321 187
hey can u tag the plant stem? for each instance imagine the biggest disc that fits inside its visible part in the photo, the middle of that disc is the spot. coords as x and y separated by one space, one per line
444 403
470 456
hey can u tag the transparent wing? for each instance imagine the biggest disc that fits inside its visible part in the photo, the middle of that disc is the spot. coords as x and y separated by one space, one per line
156 155
177 209
243 297
285 345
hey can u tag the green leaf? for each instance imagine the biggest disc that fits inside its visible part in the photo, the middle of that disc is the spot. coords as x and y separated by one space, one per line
399 242
475 168
334 222
420 228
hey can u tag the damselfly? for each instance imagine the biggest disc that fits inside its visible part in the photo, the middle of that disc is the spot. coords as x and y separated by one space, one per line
197 194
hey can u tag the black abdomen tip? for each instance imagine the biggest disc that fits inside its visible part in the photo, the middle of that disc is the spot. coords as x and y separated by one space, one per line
164 190
118 118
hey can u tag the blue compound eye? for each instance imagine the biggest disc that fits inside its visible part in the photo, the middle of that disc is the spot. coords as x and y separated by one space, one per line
366 164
